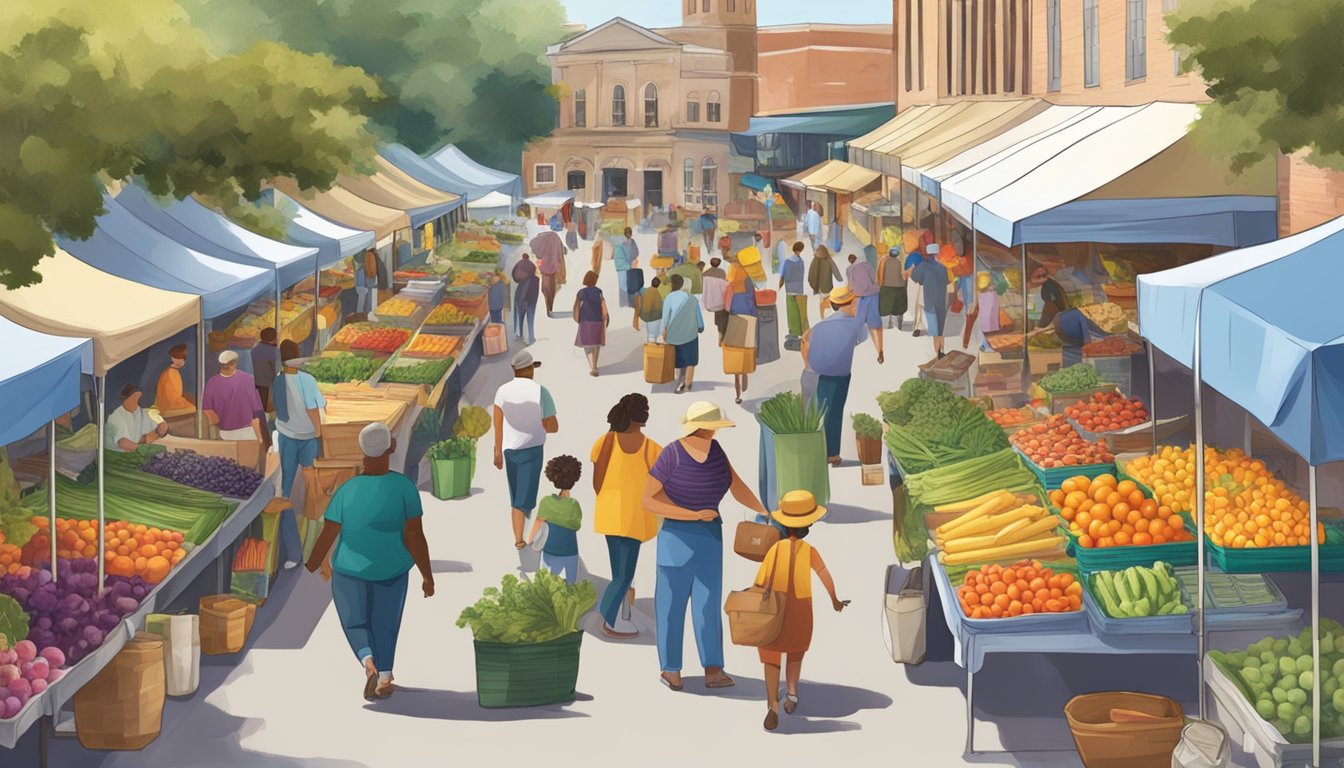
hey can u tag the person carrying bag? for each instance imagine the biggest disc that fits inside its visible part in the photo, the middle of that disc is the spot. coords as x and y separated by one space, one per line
756 614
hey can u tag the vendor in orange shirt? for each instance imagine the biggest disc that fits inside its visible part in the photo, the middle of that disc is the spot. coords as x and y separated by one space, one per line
168 396
960 268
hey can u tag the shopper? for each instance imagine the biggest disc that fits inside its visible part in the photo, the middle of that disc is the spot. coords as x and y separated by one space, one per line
169 399
792 278
550 253
812 224
891 288
691 274
524 414
496 293
741 302
714 292
624 261
682 325
649 310
366 281
525 296
912 260
374 520
822 276
231 402
862 280
590 312
298 419
1053 298
931 276
987 305
572 236
828 350
709 224
686 487
265 364
788 568
622 459
563 518
129 425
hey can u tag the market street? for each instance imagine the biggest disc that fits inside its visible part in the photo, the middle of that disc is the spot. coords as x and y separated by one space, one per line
293 698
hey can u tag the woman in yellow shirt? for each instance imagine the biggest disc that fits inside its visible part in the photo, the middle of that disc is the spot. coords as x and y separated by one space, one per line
791 563
168 397
621 462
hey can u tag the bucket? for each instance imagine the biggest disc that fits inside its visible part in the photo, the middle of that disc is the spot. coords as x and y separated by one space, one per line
1103 743
224 624
121 708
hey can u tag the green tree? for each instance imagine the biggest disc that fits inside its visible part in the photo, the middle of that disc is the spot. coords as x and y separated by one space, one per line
123 88
1275 75
472 72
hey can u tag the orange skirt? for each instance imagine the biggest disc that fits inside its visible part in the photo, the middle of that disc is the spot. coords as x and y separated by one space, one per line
796 637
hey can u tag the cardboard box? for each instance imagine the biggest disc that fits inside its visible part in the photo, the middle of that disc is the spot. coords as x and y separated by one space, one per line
741 332
738 360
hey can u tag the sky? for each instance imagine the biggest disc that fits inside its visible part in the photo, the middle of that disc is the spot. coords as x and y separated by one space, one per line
667 13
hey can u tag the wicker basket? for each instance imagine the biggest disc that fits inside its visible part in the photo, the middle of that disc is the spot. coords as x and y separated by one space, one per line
527 674
1105 744
225 624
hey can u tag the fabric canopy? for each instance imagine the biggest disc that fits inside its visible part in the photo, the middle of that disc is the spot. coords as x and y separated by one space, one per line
755 182
209 232
120 316
39 378
835 176
450 170
334 242
392 188
127 247
1271 346
1052 119
551 199
981 121
492 200
344 207
848 122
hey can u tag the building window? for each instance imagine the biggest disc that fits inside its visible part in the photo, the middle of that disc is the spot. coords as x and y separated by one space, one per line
919 38
704 6
690 6
1026 46
909 46
714 109
961 48
580 108
709 182
992 46
947 45
1091 44
973 48
1136 39
688 180
650 106
1010 52
693 108
1052 36
576 180
618 105
543 174
732 5
1169 6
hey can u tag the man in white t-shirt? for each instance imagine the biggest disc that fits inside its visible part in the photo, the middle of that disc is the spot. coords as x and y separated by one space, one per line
130 425
524 414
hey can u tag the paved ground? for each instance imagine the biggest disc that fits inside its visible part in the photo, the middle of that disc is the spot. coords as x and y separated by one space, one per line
293 698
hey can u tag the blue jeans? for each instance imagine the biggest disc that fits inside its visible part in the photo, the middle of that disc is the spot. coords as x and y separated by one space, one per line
497 316
293 454
562 565
370 614
832 391
523 470
525 314
967 287
622 292
690 568
624 554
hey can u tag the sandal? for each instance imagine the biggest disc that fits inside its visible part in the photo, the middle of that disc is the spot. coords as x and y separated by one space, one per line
665 680
519 544
371 686
790 703
721 681
384 692
771 720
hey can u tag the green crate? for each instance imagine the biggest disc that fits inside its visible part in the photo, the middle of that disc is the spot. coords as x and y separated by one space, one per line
1176 553
527 674
1055 477
1281 559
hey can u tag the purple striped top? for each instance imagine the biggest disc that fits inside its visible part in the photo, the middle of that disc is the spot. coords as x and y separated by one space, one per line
691 484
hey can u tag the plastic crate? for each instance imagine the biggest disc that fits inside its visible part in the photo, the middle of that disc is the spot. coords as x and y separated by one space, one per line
1281 559
1036 622
1277 602
1055 477
1182 624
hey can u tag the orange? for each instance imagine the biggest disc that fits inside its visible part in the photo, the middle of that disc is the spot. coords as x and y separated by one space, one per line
1126 487
1069 486
1100 492
1135 498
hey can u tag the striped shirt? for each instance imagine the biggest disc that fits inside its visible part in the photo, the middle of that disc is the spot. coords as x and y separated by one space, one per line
691 484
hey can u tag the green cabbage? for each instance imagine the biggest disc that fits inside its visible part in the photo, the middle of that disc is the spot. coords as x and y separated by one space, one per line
532 611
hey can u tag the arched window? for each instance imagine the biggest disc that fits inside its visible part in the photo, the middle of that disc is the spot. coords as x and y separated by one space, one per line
732 5
714 109
704 6
709 182
688 180
692 108
580 108
650 106
618 105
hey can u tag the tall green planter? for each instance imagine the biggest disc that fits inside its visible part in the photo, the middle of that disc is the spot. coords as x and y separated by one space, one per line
792 462
451 478
527 674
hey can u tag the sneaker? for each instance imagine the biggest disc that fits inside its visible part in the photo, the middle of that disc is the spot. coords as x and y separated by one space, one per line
290 565
917 334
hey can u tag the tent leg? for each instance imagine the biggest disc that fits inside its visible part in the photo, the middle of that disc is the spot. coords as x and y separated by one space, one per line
51 495
1199 508
1026 305
101 383
1315 619
1152 395
200 379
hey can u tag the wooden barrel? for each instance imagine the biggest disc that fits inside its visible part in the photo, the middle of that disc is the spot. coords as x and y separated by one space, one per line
122 706
223 624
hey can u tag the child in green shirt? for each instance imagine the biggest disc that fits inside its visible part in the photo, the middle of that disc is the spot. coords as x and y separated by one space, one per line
563 517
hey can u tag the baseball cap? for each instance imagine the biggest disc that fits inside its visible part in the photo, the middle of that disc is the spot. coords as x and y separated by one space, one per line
523 360
228 356
375 439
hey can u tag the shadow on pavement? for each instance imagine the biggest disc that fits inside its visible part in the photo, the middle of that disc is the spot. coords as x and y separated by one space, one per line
299 599
450 566
462 706
844 514
814 699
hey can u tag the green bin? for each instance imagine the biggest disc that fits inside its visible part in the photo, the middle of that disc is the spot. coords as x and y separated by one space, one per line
527 674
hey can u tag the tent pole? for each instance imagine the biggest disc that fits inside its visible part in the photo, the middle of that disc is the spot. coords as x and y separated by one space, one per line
200 379
277 315
1026 309
51 494
101 383
1199 505
1152 393
1315 619
317 296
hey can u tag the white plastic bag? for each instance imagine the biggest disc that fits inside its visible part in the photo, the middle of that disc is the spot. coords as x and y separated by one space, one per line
1203 745
181 650
903 611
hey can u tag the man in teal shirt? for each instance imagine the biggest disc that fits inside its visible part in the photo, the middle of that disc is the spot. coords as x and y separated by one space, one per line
682 324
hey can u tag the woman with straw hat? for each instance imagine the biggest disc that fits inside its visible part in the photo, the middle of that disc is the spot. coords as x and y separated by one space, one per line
686 486
791 562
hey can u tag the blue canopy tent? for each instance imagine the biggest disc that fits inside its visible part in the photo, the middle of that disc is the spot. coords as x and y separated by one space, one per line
39 383
480 180
127 247
334 242
1280 356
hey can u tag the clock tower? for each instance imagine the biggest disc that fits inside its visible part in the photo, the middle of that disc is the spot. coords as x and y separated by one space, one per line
728 25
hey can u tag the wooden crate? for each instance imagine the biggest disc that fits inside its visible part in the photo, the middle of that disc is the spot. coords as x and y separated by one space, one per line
245 452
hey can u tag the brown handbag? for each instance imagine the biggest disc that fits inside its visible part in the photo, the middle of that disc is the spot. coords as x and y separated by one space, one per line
756 614
753 540
321 481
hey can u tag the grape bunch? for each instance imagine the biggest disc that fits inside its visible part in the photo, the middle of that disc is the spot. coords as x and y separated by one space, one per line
208 473
66 613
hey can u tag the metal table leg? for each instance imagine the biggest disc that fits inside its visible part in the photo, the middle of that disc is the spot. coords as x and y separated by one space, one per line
220 572
43 726
970 711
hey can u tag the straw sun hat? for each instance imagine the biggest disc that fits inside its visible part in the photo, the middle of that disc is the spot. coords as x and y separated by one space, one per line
841 295
703 415
798 509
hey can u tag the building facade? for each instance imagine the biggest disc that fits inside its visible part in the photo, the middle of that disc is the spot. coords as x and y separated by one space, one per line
814 66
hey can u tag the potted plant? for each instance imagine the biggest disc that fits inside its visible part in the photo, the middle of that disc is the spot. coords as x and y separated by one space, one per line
451 463
868 436
473 422
793 449
527 640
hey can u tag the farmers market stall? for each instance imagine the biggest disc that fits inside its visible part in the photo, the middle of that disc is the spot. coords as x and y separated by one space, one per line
1239 298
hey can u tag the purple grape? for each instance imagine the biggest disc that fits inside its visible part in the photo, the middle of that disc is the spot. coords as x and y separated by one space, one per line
208 473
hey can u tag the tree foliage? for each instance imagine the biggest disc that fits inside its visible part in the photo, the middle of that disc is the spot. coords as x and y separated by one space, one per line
472 72
123 88
1274 72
